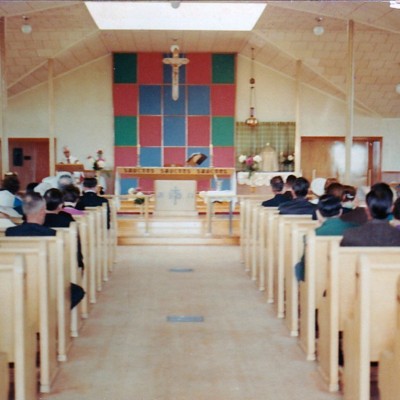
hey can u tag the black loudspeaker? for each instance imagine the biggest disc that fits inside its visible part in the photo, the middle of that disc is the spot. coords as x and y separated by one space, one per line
18 157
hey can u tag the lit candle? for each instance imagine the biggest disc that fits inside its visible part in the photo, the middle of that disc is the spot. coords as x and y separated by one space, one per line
138 148
211 149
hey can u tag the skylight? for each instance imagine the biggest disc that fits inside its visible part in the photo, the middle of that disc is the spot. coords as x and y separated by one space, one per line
158 15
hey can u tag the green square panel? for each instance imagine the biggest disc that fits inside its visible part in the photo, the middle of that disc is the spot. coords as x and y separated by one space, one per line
223 68
125 131
223 131
125 66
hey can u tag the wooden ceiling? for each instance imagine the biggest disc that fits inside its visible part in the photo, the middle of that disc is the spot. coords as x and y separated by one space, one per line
65 32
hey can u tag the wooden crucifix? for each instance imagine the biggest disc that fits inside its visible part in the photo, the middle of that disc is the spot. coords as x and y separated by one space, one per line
175 61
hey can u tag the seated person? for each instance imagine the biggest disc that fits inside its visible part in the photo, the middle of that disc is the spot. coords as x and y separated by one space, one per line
57 218
299 205
91 199
71 195
277 186
12 184
352 210
329 209
396 214
34 208
288 185
377 231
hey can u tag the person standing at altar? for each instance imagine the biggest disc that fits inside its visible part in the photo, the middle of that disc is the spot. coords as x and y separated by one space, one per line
68 157
269 159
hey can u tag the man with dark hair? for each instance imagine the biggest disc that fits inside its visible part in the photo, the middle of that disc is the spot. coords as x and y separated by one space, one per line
91 199
299 205
277 186
34 208
377 231
329 210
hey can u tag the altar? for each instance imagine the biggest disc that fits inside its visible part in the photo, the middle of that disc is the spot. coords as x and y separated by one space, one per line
174 174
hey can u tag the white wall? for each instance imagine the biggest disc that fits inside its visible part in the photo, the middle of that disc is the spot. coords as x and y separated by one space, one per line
84 111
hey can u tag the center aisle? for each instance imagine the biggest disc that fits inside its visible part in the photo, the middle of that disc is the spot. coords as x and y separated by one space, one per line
129 351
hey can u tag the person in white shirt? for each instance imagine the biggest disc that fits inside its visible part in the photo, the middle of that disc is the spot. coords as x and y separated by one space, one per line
68 158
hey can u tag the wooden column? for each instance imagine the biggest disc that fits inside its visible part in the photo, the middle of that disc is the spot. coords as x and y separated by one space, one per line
3 98
297 140
52 157
349 101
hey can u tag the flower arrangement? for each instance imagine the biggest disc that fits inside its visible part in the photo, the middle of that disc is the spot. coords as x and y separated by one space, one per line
138 195
250 163
99 163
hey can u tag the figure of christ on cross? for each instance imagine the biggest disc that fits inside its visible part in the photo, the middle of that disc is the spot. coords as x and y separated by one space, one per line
175 63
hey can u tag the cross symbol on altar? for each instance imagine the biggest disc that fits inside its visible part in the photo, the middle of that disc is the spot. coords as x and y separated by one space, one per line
175 61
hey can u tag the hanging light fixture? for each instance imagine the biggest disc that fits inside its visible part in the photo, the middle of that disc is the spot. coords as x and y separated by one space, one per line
318 29
252 120
26 26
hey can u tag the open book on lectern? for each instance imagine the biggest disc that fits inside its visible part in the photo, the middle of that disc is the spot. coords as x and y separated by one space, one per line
196 159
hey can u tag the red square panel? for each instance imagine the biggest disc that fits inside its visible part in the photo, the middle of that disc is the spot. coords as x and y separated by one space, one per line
203 185
150 68
224 157
149 130
199 131
222 100
146 185
125 99
198 71
174 156
125 156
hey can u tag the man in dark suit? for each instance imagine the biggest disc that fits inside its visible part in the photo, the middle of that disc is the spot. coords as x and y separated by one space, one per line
299 205
91 199
377 231
34 208
277 186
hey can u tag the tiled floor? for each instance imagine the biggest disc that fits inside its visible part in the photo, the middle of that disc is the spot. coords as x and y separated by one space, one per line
129 351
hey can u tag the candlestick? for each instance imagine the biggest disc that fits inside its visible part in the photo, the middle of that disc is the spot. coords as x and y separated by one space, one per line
211 149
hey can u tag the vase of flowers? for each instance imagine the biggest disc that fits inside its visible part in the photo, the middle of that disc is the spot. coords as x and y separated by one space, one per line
250 163
99 162
137 194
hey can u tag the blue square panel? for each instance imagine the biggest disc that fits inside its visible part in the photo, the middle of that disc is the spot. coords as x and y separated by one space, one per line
174 131
150 157
150 99
167 72
203 150
127 183
171 106
198 100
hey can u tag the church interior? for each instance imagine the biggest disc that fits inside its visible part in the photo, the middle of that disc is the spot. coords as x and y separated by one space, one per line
184 118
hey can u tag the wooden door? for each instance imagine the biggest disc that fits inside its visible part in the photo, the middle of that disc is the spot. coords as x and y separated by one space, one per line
325 157
29 158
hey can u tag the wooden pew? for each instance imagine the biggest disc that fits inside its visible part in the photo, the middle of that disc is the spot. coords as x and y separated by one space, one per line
264 276
112 233
100 249
52 291
70 240
389 361
338 303
313 287
297 233
4 377
283 257
82 225
17 331
246 239
371 327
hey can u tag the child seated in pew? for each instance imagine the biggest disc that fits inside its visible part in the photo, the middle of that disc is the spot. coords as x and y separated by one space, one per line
34 208
377 231
71 195
329 210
